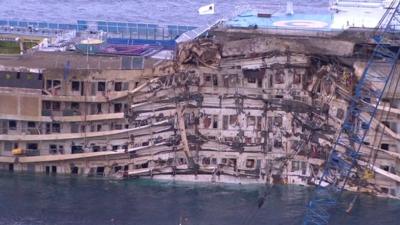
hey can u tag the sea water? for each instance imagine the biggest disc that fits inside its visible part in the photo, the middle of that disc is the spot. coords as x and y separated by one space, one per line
182 12
28 199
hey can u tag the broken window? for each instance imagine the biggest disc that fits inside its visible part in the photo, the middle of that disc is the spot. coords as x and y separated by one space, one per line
259 120
117 107
74 127
233 119
296 77
254 76
226 80
56 106
277 143
385 146
75 86
52 149
32 146
259 82
206 161
224 160
46 105
251 79
215 121
74 105
31 124
280 77
340 113
225 120
295 166
12 125
386 123
278 121
98 106
303 168
248 140
8 146
215 80
125 86
206 121
55 127
118 86
250 163
251 121
101 86
76 149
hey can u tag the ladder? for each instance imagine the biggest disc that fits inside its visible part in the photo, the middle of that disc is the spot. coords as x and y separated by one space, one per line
368 93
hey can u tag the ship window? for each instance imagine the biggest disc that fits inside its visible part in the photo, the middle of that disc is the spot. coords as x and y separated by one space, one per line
225 120
12 125
117 107
56 83
215 80
215 121
385 146
74 170
8 146
47 105
99 108
56 106
100 170
118 86
55 127
31 124
32 146
76 149
206 161
251 79
340 113
250 163
295 166
75 105
251 121
75 86
52 149
101 86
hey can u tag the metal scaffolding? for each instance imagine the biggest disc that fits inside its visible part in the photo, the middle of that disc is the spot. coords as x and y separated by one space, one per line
345 153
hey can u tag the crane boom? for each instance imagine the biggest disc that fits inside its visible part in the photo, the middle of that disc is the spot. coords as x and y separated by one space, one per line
368 93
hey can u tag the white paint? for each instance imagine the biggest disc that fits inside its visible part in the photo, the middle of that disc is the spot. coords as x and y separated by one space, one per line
207 9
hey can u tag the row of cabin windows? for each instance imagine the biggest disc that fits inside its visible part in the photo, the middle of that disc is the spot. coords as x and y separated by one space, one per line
101 86
96 108
278 78
250 163
230 120
56 127
28 76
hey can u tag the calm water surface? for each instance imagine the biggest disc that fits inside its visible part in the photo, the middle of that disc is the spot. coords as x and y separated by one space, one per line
36 199
149 11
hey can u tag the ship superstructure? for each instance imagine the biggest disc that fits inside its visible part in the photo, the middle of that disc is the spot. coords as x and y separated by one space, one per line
240 103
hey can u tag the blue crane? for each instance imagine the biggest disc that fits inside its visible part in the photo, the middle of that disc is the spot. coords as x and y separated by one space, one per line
368 92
